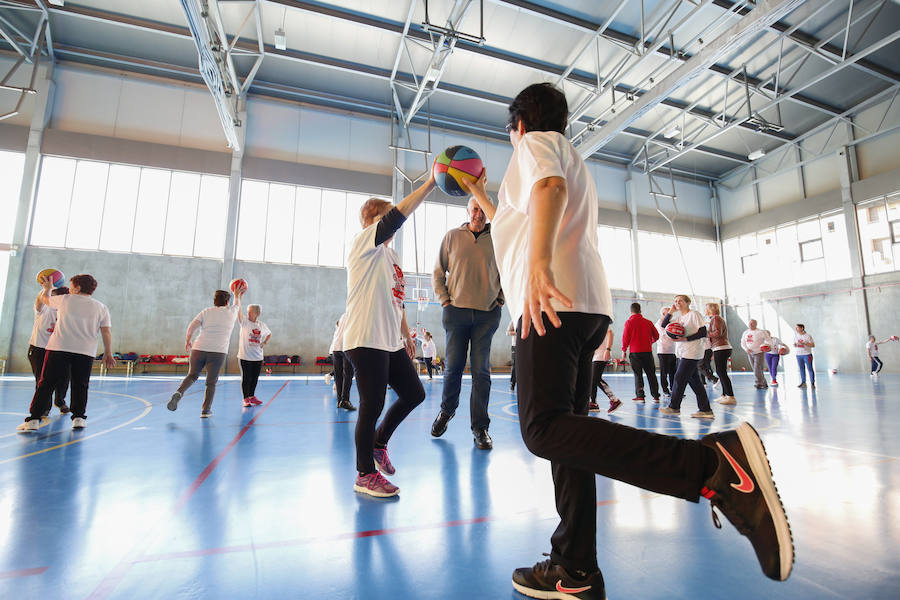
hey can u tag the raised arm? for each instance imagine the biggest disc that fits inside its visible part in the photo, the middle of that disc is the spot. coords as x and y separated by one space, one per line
477 189
412 202
546 206
44 296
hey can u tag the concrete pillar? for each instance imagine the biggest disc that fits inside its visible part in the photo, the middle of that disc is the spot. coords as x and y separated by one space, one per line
234 200
846 172
43 108
631 203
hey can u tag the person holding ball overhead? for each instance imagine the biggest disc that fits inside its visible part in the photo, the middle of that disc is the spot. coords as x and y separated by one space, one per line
545 238
210 349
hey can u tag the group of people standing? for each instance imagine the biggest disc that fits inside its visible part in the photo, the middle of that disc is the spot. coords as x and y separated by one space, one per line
765 351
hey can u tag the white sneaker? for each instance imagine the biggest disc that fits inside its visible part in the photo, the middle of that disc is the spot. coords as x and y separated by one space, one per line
78 423
703 414
28 426
328 379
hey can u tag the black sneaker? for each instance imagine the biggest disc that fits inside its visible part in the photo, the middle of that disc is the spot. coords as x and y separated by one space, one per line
63 409
440 424
743 489
346 405
546 580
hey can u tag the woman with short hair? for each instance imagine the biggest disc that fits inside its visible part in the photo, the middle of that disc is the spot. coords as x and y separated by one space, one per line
210 349
254 335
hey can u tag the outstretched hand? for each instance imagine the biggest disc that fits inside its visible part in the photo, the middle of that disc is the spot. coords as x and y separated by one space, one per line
539 289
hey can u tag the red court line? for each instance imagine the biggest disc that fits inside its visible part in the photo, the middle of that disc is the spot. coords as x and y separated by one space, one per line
109 583
310 540
23 573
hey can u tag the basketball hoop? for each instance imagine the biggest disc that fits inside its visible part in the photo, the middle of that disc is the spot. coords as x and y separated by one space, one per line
422 298
423 303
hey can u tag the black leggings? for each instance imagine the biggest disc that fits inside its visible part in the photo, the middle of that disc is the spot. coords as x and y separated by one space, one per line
720 357
428 365
57 366
36 358
597 368
667 366
375 369
250 376
706 367
554 387
343 375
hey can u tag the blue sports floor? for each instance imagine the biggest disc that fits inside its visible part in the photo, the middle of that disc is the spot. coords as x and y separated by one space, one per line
259 502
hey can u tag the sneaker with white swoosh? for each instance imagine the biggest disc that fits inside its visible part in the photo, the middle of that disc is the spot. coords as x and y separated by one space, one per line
743 489
548 580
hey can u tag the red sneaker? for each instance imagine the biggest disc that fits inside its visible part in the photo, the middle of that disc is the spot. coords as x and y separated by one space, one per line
255 401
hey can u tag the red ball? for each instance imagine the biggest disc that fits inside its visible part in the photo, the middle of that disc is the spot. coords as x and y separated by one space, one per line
675 329
783 350
238 283
765 347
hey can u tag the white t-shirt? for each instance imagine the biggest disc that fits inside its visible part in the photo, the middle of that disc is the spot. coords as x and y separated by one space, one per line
577 268
216 324
428 348
665 344
78 322
806 339
775 344
253 334
337 340
44 324
872 348
692 322
752 339
376 289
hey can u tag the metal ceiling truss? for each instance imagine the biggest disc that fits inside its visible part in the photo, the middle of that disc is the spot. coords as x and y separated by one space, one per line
217 53
803 142
729 122
28 46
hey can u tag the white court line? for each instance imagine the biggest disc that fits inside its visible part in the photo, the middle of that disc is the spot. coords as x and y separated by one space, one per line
867 453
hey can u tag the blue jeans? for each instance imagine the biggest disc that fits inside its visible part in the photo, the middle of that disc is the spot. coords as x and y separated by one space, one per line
806 361
464 327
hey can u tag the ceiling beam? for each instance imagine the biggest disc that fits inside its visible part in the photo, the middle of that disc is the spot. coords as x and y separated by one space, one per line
732 38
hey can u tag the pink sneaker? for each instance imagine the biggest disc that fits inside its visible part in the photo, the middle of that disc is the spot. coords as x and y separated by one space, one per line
255 401
246 403
383 462
374 484
613 405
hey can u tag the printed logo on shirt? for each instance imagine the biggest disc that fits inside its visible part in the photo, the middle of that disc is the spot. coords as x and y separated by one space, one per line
399 289
52 328
255 336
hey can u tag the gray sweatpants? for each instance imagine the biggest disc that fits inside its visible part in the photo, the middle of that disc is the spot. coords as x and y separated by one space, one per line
213 361
758 361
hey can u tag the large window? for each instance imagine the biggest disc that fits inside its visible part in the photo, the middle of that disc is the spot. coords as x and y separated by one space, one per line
300 225
792 254
11 164
694 267
94 205
424 231
879 233
614 245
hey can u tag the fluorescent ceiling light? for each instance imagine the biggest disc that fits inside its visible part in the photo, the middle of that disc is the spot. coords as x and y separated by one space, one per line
58 2
671 132
280 39
756 154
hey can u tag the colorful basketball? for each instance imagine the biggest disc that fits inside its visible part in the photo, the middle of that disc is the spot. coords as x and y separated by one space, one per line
238 283
766 347
56 277
783 350
895 338
675 330
454 164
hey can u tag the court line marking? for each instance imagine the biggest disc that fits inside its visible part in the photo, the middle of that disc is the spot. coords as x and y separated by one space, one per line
866 452
109 583
147 408
23 573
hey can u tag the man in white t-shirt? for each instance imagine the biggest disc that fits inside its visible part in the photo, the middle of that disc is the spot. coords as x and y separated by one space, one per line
751 341
803 345
42 329
71 348
545 239
254 335
210 349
